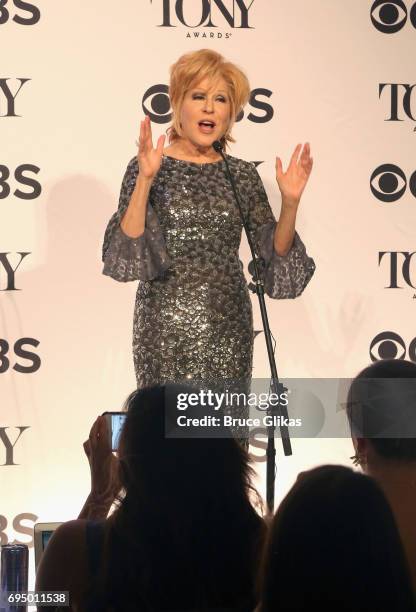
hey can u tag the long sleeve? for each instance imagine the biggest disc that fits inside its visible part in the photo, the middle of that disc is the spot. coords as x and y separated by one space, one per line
284 276
125 258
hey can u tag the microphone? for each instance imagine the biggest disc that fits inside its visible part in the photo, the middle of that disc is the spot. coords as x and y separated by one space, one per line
276 385
217 146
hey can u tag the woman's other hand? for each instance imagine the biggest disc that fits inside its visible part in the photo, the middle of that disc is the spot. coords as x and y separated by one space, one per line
292 182
149 159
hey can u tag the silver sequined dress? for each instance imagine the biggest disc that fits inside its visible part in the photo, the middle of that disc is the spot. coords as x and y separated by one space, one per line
193 317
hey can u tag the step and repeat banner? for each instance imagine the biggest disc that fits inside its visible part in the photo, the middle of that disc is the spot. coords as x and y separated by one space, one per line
75 80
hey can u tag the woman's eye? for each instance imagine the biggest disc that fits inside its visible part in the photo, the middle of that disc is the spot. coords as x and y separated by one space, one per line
200 97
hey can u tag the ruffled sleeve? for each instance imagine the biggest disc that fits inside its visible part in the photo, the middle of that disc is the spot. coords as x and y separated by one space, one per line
284 276
128 259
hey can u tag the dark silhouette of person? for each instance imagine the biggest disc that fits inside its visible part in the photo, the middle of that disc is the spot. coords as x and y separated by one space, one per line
185 535
334 546
381 409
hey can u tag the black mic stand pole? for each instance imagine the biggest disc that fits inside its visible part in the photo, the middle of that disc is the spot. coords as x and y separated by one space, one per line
276 386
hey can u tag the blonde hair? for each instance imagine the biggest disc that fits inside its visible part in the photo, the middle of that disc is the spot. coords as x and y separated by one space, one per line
192 68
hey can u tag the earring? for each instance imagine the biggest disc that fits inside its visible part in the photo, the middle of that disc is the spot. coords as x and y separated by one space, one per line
358 459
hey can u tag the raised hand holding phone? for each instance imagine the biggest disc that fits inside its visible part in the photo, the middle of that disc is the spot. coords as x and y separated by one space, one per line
104 469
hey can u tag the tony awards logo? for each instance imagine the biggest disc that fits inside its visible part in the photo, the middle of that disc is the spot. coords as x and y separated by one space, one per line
400 100
205 18
401 269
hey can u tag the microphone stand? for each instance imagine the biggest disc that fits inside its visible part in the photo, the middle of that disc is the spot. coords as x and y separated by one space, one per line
276 386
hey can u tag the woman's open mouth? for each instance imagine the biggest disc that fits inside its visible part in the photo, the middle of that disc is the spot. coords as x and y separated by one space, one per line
206 126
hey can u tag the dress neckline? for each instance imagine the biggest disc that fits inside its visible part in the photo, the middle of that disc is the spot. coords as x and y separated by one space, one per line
185 161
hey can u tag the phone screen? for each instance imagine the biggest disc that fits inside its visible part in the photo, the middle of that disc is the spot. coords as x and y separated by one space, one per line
46 536
117 422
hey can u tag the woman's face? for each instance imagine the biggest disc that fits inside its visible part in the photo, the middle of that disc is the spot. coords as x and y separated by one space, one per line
205 114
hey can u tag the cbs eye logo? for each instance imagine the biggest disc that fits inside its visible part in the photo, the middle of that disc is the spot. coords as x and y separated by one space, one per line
156 104
389 345
388 183
390 17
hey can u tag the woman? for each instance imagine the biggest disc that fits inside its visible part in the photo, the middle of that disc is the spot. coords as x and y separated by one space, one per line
177 229
334 546
185 536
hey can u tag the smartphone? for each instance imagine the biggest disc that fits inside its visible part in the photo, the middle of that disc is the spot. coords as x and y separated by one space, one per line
115 422
42 535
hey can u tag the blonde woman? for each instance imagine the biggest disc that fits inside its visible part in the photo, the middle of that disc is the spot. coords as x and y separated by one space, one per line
178 231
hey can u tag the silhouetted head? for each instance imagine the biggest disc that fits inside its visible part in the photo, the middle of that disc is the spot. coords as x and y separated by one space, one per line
158 470
381 408
334 545
186 535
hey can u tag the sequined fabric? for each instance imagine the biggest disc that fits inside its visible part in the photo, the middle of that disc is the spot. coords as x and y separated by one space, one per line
193 318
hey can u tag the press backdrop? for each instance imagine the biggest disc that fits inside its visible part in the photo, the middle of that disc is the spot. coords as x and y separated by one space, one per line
75 80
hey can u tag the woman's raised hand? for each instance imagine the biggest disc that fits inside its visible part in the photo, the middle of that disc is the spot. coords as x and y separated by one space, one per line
149 159
292 182
103 464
